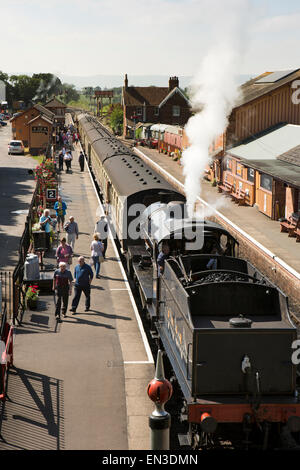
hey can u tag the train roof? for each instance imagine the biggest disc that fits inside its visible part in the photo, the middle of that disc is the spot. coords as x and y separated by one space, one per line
128 173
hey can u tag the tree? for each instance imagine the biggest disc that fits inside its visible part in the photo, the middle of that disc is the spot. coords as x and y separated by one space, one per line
49 86
116 118
24 87
70 93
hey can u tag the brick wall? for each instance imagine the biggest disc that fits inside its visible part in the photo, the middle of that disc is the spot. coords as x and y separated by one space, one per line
165 115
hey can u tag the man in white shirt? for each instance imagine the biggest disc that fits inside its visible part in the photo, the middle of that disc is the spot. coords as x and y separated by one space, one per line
101 228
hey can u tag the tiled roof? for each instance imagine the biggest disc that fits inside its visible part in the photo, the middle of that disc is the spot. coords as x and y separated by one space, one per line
251 90
44 110
151 95
291 156
43 117
55 103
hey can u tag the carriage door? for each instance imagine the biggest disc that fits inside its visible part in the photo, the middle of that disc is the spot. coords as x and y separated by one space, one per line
89 154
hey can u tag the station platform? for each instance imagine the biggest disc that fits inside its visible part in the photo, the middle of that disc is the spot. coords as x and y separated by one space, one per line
81 384
258 227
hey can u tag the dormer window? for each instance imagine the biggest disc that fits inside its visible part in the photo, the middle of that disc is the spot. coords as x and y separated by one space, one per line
176 110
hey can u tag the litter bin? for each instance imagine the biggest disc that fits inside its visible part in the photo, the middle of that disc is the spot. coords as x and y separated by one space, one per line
39 240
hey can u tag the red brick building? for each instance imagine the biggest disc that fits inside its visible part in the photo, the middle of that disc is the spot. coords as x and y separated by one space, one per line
168 105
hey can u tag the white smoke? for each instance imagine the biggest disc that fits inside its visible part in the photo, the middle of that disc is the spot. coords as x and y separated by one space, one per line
215 91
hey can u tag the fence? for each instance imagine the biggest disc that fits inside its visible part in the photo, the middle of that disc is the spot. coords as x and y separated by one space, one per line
6 293
18 294
18 274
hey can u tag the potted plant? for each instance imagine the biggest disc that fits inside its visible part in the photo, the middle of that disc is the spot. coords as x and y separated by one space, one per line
32 295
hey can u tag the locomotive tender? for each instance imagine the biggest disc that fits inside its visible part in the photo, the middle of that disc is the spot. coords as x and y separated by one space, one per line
225 328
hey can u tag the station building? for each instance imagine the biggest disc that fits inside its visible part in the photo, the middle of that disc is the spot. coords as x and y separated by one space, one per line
267 169
153 105
254 152
20 123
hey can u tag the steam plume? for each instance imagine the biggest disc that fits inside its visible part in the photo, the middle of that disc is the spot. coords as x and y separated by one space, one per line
215 91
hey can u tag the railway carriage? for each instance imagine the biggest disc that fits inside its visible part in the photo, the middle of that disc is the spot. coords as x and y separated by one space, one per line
127 184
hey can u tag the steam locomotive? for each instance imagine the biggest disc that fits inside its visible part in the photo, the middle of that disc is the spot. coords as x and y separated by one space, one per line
225 328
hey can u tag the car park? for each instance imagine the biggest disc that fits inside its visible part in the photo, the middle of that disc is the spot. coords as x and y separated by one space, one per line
16 147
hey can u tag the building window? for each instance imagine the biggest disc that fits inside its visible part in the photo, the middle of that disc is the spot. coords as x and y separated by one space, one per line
266 182
228 164
176 110
239 169
139 111
156 111
250 175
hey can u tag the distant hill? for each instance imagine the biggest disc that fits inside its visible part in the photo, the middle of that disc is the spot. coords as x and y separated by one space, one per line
112 81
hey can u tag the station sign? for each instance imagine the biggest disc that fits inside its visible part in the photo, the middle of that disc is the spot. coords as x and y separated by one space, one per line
105 93
41 129
51 194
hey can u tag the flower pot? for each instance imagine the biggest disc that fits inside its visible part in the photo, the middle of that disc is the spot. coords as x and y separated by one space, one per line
32 304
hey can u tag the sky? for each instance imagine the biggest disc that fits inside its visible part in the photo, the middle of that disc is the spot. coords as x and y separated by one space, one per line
145 37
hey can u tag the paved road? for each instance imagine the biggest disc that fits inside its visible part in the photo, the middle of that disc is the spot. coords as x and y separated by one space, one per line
16 189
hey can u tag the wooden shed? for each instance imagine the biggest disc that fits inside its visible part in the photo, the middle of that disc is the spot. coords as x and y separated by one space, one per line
40 134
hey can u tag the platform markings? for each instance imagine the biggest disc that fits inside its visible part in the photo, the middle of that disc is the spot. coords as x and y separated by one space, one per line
139 321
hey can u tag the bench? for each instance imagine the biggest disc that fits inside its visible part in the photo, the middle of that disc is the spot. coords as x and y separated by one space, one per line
289 226
225 186
239 197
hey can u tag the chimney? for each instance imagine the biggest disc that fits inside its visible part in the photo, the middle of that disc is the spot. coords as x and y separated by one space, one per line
126 82
173 83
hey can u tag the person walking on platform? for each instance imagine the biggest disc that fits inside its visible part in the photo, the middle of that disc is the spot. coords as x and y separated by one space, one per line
83 275
45 224
62 285
60 161
71 228
81 161
60 208
101 228
68 160
64 253
96 254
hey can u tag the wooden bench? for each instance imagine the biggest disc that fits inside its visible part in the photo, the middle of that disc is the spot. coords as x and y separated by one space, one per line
289 226
239 197
226 187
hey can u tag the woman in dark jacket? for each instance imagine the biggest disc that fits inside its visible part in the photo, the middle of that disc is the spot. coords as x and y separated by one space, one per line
81 161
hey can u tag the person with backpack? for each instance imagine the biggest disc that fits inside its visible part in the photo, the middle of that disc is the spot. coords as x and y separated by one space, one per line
96 254
101 228
71 228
